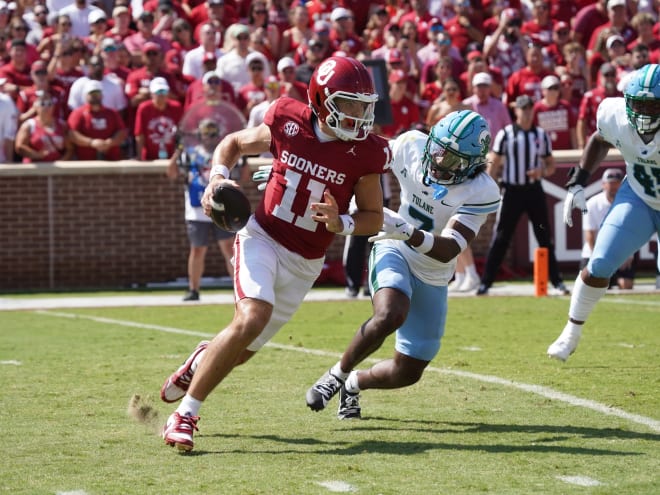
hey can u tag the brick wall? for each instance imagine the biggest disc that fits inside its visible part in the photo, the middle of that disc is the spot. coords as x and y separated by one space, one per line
99 225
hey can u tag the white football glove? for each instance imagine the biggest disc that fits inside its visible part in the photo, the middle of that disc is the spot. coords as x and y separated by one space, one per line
261 175
574 199
394 227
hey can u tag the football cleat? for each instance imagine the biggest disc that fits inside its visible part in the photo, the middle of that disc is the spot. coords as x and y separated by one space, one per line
178 431
176 386
323 390
349 405
566 343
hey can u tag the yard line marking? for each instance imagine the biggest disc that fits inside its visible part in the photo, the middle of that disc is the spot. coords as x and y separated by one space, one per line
534 389
11 361
579 480
337 486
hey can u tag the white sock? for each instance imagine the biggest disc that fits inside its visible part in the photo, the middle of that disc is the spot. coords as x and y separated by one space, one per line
471 271
458 278
338 372
352 386
189 406
584 299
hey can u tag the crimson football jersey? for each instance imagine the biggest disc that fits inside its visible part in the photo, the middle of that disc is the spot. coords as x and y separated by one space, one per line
303 168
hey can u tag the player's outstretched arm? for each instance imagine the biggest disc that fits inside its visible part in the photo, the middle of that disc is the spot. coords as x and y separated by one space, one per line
594 153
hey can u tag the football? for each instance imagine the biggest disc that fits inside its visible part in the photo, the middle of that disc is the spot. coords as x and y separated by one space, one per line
230 208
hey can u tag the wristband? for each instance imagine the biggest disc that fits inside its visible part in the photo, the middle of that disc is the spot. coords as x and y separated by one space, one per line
348 223
427 243
456 236
219 170
577 176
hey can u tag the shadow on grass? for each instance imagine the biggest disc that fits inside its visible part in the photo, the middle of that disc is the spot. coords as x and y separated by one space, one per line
337 446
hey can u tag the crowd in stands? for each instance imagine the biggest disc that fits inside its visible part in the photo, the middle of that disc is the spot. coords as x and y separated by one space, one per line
110 80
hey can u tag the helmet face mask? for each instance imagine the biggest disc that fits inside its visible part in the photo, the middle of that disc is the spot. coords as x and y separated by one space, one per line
642 95
342 96
455 148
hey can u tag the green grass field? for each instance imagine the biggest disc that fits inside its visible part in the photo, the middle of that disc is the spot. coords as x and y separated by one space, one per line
493 415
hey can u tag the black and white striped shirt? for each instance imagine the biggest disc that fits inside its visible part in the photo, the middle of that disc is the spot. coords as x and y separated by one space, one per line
522 151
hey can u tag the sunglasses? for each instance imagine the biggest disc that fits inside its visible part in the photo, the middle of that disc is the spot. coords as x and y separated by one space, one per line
45 104
213 81
610 74
242 37
152 53
110 49
562 32
256 67
161 92
41 73
210 135
553 88
260 12
65 24
19 28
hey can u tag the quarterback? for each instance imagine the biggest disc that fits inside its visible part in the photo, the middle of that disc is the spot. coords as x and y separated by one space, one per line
446 197
323 155
630 124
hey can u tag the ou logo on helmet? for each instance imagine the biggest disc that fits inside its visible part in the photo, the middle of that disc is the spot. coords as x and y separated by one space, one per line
325 72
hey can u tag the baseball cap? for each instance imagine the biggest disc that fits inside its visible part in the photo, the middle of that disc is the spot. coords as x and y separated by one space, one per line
255 57
120 9
109 45
145 14
394 56
93 85
96 15
235 30
524 101
549 81
340 13
612 175
321 26
216 2
396 76
560 25
435 25
285 63
613 39
210 75
150 46
474 54
158 84
482 78
614 3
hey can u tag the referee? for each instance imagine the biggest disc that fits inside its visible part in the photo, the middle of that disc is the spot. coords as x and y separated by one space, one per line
522 156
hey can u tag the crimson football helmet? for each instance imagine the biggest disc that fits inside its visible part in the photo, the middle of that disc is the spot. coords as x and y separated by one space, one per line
337 79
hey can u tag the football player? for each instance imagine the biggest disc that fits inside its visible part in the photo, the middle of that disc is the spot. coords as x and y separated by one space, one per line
323 155
446 196
630 124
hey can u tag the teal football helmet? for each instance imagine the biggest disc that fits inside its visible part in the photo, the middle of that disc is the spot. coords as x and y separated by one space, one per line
456 148
642 95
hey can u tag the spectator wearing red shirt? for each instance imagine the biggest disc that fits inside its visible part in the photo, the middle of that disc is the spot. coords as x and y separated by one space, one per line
527 81
643 23
555 115
252 93
420 17
96 131
342 34
617 15
135 43
121 29
286 72
42 88
156 122
219 12
209 88
405 113
17 71
540 27
465 27
43 137
587 20
606 87
554 52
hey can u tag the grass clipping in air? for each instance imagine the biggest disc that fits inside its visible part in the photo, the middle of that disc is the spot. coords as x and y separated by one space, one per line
141 410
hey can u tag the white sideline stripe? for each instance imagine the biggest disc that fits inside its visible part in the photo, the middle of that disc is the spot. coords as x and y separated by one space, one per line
579 480
74 492
11 361
534 389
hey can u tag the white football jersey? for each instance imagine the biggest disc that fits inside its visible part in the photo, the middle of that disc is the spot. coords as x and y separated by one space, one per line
642 160
469 203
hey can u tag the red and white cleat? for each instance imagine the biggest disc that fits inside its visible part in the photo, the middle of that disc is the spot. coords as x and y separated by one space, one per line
178 431
176 386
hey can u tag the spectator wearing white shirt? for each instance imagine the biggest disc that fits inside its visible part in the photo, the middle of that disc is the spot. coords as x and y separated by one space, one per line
193 60
113 93
79 12
232 66
8 123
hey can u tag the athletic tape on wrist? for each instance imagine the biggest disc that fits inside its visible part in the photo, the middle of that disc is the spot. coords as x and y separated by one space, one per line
427 243
455 235
219 170
348 223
